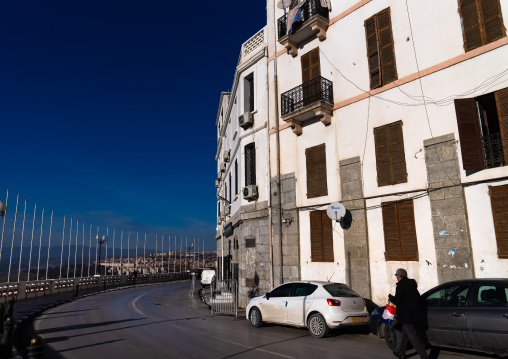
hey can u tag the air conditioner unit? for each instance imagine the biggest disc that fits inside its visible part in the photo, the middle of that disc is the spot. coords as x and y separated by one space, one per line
219 220
219 176
246 120
223 167
222 216
217 183
227 155
227 210
250 193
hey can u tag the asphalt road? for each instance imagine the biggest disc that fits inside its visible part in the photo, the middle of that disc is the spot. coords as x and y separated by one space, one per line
164 321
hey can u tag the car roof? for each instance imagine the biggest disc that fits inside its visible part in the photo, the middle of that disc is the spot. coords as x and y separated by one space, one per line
321 282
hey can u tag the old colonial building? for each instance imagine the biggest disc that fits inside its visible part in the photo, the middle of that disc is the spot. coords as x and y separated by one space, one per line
396 109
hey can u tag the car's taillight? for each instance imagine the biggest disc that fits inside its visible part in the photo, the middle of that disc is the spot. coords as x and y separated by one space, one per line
333 302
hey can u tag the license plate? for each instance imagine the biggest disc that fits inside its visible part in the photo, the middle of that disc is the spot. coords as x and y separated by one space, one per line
358 319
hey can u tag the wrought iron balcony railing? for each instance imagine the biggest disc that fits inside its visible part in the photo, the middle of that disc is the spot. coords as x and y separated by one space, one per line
309 9
493 150
318 89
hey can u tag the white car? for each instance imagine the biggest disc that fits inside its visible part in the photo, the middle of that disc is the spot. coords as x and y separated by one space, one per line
319 306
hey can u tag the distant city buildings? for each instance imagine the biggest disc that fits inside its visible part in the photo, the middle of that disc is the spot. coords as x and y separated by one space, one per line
401 119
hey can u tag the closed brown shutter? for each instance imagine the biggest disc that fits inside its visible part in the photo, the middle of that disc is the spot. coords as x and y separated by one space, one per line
384 177
321 237
315 66
492 20
469 133
316 237
305 62
407 230
397 155
373 52
384 26
482 22
502 113
390 156
400 231
316 171
390 229
380 49
326 223
470 24
499 201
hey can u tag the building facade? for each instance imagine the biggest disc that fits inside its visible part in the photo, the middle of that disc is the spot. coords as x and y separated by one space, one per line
398 110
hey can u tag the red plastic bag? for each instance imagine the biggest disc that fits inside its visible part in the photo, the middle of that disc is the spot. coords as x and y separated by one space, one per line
388 314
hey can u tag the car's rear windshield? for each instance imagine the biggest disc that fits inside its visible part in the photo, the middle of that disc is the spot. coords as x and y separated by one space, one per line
340 290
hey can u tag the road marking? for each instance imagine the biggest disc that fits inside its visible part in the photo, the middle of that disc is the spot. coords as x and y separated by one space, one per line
135 307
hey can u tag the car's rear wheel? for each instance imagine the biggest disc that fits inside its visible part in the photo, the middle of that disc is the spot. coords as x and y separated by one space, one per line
317 326
255 318
393 338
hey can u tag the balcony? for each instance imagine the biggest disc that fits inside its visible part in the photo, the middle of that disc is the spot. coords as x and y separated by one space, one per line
493 151
313 99
314 21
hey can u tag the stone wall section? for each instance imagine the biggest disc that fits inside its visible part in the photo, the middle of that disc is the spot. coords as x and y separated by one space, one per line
356 242
290 230
449 213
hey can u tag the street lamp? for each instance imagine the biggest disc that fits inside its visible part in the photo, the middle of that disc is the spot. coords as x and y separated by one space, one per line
100 240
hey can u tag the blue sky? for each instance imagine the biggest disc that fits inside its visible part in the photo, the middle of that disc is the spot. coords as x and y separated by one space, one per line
107 109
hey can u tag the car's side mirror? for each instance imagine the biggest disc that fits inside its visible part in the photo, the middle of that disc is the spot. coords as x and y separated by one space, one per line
267 295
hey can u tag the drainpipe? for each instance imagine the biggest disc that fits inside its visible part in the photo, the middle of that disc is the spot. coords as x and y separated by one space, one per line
277 138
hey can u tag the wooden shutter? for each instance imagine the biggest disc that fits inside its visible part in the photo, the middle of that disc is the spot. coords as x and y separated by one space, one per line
469 133
499 201
250 164
400 231
326 224
316 171
321 237
390 156
373 52
311 66
305 62
470 24
502 113
384 177
397 155
492 20
390 229
316 238
407 231
386 48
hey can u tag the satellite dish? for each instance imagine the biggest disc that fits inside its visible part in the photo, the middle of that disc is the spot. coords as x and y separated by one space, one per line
283 4
336 211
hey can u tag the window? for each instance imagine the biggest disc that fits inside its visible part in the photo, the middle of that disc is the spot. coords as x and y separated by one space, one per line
482 22
230 198
499 201
380 50
250 164
390 157
492 296
400 231
304 289
340 290
236 177
316 171
451 295
483 130
311 69
282 291
321 237
248 93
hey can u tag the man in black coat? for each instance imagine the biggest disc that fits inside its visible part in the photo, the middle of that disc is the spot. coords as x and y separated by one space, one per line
407 300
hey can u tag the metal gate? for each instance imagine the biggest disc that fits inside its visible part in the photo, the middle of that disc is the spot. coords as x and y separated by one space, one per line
224 297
